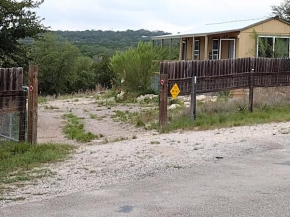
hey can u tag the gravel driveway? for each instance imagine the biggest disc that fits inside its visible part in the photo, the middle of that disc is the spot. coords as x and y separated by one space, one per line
96 165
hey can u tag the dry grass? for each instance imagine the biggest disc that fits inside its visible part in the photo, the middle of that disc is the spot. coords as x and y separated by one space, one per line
263 98
270 105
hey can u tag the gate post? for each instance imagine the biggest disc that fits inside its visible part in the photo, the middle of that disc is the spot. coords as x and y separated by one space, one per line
163 93
251 90
193 98
32 104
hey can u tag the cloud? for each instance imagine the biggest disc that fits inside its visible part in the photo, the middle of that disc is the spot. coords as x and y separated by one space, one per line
167 15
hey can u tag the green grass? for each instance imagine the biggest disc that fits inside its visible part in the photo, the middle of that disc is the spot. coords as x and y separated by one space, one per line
74 130
92 116
42 100
50 107
230 119
18 161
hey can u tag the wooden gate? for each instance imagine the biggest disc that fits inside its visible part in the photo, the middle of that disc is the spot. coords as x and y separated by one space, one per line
12 101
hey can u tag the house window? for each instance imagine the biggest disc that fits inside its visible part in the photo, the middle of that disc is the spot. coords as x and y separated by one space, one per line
281 48
184 50
215 49
196 49
272 46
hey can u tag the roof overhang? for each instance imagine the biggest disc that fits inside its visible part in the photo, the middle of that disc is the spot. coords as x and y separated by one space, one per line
188 35
192 35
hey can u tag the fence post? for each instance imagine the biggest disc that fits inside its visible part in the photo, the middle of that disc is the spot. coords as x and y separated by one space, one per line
163 93
193 98
32 104
251 90
22 119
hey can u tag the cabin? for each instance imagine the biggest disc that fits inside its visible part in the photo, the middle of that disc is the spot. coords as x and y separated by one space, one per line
236 39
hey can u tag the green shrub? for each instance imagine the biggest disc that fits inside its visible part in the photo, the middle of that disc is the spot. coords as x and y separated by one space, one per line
136 66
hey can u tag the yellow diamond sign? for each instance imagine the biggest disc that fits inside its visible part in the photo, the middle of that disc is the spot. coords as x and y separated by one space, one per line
175 91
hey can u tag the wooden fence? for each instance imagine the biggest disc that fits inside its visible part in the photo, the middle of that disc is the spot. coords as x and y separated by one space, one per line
230 74
207 76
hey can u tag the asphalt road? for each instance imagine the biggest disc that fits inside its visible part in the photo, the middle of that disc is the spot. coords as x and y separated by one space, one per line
254 185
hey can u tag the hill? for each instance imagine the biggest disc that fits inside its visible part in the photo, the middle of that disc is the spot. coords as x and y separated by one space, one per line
97 42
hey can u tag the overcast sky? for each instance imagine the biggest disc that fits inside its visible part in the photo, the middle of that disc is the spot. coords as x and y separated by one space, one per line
167 15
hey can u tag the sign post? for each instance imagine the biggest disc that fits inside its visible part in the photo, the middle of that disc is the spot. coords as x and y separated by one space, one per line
163 92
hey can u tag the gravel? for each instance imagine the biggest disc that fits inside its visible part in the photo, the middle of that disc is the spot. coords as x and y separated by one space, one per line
94 166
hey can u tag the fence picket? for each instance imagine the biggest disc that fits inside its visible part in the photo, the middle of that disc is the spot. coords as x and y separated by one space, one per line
219 75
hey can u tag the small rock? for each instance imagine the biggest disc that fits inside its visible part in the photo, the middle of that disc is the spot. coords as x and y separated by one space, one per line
121 95
174 106
200 98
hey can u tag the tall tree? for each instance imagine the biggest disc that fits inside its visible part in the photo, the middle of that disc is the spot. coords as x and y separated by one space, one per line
104 74
282 10
17 21
85 76
56 58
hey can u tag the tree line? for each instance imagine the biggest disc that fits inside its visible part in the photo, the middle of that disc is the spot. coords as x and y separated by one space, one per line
97 42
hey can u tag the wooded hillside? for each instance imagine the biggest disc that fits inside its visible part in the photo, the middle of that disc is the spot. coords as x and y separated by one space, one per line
97 42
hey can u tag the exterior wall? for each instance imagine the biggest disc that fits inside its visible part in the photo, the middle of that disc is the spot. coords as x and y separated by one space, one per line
189 48
247 42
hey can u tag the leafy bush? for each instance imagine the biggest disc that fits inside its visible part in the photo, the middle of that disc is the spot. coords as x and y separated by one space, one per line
136 66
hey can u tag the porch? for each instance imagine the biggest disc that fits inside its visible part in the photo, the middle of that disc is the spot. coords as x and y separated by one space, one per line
204 47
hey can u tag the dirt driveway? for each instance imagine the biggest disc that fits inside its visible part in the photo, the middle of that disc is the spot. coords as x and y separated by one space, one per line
50 122
95 165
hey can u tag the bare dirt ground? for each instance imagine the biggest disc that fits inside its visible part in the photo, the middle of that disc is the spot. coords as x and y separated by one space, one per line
50 122
95 165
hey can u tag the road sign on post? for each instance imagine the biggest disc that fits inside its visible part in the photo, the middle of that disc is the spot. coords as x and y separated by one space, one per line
175 91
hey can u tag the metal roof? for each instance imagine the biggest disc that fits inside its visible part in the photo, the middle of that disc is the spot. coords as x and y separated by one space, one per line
217 28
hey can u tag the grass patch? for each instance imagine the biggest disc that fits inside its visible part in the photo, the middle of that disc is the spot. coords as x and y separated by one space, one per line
74 130
147 118
73 96
92 116
119 139
228 119
42 100
50 107
19 160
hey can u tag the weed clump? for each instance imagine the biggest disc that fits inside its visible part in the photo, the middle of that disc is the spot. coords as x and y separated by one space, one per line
74 130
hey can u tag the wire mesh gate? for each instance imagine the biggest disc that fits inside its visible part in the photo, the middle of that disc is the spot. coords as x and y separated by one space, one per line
13 106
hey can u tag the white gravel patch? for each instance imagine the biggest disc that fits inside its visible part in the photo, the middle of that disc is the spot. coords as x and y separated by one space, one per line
92 167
